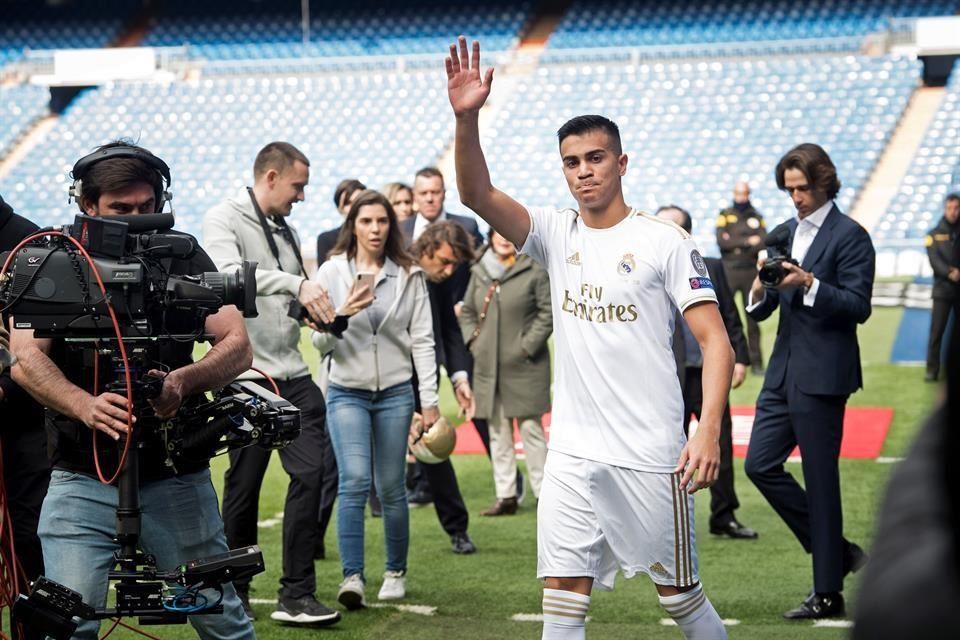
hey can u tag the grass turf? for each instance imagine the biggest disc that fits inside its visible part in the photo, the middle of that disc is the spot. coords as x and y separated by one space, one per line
476 596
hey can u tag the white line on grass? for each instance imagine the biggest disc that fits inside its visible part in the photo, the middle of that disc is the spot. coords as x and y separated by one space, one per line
532 617
727 622
271 522
419 609
841 624
888 460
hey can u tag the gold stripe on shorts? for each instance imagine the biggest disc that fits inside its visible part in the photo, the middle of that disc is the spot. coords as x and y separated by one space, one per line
681 519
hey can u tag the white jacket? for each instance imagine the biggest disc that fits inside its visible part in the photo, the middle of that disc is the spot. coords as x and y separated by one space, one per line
375 360
231 234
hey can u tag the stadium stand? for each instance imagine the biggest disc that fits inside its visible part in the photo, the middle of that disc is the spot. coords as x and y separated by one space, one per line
378 127
691 129
245 30
934 172
21 104
825 25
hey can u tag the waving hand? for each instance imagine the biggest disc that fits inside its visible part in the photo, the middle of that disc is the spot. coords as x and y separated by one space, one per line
466 88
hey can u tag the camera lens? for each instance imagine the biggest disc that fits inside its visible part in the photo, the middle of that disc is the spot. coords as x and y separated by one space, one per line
772 273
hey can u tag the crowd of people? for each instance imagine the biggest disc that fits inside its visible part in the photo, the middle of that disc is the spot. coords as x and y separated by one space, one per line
404 289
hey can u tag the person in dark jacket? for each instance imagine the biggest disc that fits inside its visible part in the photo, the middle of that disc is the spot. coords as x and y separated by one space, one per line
723 496
946 275
26 468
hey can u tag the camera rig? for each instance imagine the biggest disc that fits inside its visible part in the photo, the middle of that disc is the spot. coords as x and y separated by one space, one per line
103 285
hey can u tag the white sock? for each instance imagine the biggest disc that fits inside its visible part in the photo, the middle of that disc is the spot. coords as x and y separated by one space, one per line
564 614
694 614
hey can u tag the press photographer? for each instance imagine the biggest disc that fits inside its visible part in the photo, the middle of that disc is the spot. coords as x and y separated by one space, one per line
86 430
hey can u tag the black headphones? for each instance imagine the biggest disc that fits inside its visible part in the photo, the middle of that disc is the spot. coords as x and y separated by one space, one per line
82 167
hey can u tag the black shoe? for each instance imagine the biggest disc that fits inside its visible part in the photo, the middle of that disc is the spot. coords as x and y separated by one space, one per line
817 606
734 530
462 544
304 610
854 559
419 499
757 369
244 596
930 376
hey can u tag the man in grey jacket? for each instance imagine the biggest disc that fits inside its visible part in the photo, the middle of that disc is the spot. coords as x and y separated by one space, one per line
252 226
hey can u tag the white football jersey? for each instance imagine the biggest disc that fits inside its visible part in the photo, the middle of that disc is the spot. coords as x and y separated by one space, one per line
617 398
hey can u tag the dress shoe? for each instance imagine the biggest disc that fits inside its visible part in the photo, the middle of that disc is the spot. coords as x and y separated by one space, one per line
502 507
854 559
817 606
419 499
930 376
757 370
462 544
734 530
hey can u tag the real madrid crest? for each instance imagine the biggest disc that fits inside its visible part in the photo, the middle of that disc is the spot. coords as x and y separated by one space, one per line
627 265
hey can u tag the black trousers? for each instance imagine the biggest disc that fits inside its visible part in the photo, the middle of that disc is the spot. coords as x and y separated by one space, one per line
26 474
441 481
723 497
303 461
741 279
787 417
939 318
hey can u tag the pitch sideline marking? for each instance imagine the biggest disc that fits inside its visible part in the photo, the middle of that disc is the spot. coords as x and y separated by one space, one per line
271 522
419 609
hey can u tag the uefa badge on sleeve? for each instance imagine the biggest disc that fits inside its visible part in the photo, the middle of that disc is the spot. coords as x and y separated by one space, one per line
698 264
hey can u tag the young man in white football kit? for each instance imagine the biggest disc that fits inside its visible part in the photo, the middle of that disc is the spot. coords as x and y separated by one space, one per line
620 472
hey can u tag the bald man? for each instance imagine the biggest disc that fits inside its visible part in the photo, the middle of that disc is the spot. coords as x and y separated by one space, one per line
740 234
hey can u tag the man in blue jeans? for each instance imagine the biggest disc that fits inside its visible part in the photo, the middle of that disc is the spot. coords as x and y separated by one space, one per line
180 520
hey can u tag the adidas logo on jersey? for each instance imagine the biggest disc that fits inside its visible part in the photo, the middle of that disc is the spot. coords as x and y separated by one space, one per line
658 569
574 259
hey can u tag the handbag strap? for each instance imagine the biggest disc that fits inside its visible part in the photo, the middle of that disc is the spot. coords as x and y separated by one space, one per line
483 312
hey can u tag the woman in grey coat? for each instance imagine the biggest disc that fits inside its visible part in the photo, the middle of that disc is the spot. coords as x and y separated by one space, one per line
506 321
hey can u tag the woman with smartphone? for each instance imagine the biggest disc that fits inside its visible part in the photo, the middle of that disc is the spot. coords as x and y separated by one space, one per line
382 295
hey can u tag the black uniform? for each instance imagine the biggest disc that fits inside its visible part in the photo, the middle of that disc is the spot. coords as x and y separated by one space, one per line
939 244
735 226
26 468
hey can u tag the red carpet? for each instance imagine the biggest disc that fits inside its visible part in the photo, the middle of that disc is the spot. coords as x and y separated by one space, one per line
864 430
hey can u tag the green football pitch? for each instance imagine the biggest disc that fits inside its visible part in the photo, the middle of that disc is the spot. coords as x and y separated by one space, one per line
489 594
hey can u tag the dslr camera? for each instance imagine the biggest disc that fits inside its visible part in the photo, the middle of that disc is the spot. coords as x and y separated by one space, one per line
778 252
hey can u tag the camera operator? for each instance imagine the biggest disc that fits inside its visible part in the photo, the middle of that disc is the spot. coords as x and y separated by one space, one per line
180 520
815 366
252 226
26 468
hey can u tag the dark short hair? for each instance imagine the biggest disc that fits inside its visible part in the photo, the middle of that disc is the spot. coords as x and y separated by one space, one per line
277 156
438 233
687 224
811 160
428 172
585 124
118 173
951 196
346 189
393 246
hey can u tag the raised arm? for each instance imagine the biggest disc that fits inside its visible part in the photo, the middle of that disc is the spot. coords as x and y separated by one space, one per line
468 92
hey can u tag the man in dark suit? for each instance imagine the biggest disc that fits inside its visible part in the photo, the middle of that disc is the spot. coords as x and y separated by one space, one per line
814 368
723 496
439 250
343 196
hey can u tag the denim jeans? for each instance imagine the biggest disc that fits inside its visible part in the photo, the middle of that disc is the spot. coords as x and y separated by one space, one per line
179 522
364 423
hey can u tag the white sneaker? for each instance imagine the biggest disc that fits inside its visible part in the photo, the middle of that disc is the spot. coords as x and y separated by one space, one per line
351 592
394 586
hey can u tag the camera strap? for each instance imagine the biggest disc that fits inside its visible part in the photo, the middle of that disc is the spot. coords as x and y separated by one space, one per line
284 231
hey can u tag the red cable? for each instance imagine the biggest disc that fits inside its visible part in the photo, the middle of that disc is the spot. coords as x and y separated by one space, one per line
273 384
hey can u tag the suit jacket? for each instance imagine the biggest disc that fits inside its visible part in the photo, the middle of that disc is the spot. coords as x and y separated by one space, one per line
325 242
817 346
457 283
729 313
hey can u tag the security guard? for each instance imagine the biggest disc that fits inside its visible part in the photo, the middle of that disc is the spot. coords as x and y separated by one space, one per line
740 234
946 275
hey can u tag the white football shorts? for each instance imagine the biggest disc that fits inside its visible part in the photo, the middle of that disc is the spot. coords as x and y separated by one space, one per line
594 518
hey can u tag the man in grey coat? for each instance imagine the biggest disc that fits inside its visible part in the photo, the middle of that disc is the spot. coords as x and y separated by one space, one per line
252 226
